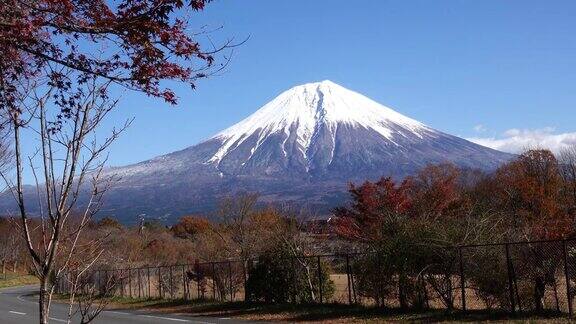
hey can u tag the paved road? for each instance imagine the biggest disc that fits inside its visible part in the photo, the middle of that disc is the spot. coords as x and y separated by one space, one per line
16 307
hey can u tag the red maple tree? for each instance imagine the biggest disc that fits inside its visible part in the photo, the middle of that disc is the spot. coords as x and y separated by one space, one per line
435 191
58 59
529 190
134 43
371 203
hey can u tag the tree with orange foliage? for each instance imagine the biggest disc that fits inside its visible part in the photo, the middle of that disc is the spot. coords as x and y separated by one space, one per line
411 228
529 189
435 191
189 226
567 161
372 204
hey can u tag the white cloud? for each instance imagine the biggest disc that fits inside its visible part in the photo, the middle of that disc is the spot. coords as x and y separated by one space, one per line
480 128
517 140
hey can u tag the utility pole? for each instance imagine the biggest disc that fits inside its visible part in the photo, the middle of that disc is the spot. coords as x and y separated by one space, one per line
142 227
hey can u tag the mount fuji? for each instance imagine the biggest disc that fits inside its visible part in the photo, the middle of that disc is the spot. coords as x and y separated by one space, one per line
301 148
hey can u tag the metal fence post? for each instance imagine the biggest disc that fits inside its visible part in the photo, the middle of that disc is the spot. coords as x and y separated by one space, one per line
139 284
171 283
320 280
213 281
245 278
567 276
353 285
198 283
230 279
462 279
184 283
510 279
294 280
122 286
148 275
160 282
348 279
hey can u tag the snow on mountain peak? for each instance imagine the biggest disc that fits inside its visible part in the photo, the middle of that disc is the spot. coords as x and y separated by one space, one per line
303 108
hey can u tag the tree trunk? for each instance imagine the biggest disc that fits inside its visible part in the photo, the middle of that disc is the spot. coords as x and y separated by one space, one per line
449 293
539 288
310 284
44 301
556 299
421 294
402 290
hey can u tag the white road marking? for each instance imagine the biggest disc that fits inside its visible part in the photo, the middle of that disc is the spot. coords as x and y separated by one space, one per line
166 318
17 313
57 320
224 318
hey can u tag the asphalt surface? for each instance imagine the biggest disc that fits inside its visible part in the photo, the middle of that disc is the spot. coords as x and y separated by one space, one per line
18 307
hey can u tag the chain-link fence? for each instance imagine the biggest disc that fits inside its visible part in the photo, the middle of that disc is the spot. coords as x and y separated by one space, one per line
537 277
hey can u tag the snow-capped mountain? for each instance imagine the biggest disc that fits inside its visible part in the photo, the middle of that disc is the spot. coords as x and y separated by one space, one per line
321 130
308 116
303 147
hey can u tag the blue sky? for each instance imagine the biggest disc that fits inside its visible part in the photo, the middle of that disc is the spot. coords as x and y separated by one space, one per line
492 70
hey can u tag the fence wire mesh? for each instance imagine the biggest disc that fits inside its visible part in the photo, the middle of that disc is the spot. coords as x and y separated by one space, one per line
537 277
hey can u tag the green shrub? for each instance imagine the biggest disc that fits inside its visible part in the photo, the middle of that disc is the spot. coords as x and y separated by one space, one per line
487 274
279 278
372 278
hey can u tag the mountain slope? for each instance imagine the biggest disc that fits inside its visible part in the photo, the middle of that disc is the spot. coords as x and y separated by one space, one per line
313 130
302 148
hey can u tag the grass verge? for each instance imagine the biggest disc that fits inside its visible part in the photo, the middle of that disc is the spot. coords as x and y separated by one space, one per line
327 313
16 279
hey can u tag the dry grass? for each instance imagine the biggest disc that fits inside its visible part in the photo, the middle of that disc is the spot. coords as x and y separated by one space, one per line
327 313
336 312
16 279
